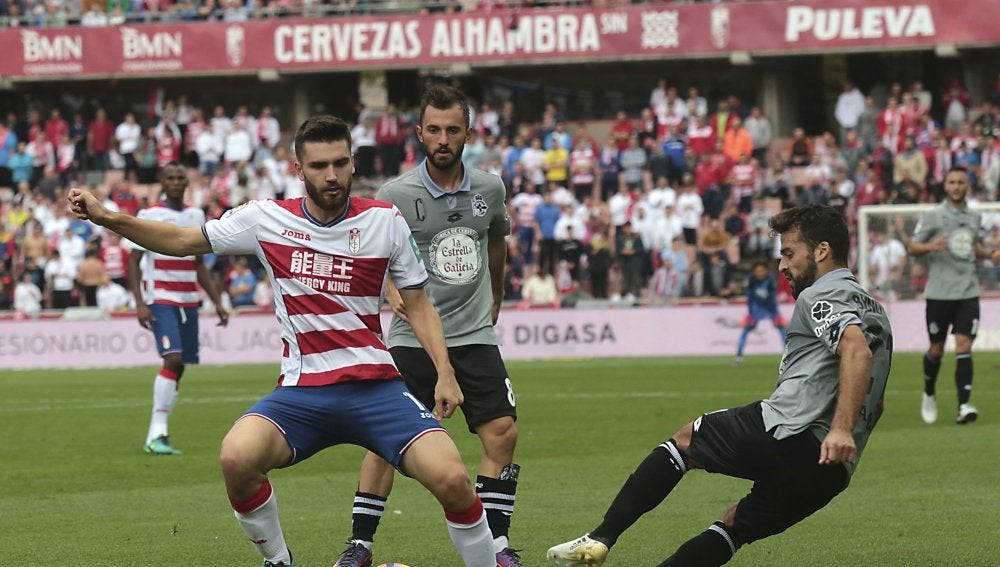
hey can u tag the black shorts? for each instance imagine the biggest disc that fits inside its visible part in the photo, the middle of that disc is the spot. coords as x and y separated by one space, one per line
962 315
481 375
691 236
789 483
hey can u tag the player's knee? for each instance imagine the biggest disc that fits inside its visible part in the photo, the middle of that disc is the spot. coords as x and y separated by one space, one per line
729 516
174 364
682 438
453 487
963 344
239 458
499 436
936 350
235 465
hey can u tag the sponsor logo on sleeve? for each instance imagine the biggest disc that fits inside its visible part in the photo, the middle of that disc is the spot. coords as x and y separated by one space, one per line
822 313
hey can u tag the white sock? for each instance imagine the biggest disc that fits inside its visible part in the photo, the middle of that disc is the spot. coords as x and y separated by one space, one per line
500 543
263 528
164 400
473 541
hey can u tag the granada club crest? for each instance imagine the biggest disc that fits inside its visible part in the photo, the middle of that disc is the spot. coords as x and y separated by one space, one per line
720 26
354 240
235 45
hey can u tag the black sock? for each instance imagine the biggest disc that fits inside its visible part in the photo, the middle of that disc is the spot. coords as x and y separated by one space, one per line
498 501
368 509
931 368
651 482
963 377
712 547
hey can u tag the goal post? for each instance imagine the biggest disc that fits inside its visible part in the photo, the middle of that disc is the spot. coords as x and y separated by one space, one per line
878 225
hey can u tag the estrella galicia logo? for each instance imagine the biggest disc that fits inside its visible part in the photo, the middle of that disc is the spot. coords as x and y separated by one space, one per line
455 217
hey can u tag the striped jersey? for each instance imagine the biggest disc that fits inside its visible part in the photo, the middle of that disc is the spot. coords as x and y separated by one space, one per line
169 280
328 282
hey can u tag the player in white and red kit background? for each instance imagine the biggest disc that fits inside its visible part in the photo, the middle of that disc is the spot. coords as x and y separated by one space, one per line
328 256
115 258
167 300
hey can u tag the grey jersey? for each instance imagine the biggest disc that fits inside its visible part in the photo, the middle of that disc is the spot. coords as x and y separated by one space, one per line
452 231
805 396
951 272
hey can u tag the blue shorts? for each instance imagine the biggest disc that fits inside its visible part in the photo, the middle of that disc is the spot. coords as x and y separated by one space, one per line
176 330
379 415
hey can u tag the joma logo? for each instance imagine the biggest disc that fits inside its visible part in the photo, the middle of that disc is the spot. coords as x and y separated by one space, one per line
296 234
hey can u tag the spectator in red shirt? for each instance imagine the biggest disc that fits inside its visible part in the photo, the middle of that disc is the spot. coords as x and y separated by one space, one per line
115 257
389 136
701 136
704 174
122 196
622 130
168 149
34 125
56 127
99 138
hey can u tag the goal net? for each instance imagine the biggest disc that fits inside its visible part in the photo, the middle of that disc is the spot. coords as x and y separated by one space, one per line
883 266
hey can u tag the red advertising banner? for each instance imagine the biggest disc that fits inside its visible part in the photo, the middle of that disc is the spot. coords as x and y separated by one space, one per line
652 31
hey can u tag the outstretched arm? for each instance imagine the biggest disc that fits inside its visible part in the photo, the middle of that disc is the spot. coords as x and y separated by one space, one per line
163 237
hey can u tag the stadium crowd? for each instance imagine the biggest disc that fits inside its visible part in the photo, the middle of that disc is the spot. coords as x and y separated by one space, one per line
670 204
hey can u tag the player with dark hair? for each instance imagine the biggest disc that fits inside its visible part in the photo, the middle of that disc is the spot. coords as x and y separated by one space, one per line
799 446
950 236
762 303
167 300
459 223
328 256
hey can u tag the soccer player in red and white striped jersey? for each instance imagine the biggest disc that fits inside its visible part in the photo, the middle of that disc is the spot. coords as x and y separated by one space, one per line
328 256
167 301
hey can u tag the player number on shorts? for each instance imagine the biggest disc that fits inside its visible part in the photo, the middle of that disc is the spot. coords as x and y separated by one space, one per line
416 402
510 392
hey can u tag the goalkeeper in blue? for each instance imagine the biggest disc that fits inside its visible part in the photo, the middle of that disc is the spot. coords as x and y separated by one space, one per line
762 302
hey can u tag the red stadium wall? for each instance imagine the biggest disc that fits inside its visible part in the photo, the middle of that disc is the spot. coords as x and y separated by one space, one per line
645 32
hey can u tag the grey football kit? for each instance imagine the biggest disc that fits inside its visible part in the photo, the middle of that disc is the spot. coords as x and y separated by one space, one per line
952 291
951 272
776 442
452 230
952 297
808 377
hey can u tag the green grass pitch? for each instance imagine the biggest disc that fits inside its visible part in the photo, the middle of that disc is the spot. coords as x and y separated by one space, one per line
78 490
